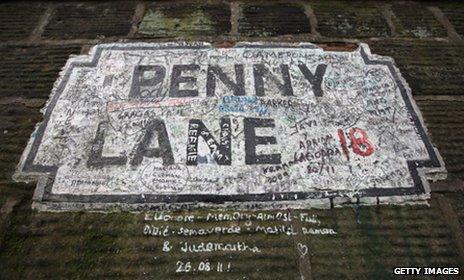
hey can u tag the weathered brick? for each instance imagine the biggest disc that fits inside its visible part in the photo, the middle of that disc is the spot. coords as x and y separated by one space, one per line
350 19
415 20
90 20
455 14
16 125
171 20
445 122
18 20
371 241
31 71
273 19
429 67
90 245
457 202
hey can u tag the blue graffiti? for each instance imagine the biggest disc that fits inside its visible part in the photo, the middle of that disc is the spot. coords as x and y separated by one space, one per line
242 104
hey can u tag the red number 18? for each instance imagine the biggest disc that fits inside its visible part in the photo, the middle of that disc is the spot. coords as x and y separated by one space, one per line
359 142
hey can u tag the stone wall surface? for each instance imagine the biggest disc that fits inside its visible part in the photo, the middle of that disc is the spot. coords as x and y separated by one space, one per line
355 242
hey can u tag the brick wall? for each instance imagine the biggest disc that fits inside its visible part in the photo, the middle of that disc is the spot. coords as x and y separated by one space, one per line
424 38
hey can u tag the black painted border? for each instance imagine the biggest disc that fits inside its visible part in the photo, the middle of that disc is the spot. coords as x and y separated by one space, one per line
413 165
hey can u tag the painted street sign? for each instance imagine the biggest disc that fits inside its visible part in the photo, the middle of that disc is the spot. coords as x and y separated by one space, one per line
143 126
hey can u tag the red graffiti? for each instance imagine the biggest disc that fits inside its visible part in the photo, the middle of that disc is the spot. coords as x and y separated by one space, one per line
341 136
359 142
361 146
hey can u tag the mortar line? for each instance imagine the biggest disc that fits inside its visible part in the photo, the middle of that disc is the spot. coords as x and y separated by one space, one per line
430 97
443 19
304 262
447 186
137 18
5 215
388 15
308 10
235 12
43 21
294 38
452 221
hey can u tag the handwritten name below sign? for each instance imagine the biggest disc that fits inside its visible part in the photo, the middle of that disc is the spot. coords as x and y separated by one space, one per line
206 239
187 124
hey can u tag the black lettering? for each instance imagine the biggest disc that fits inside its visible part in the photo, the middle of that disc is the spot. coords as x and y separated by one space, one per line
96 159
177 79
315 80
147 87
143 149
221 152
260 72
237 87
251 141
